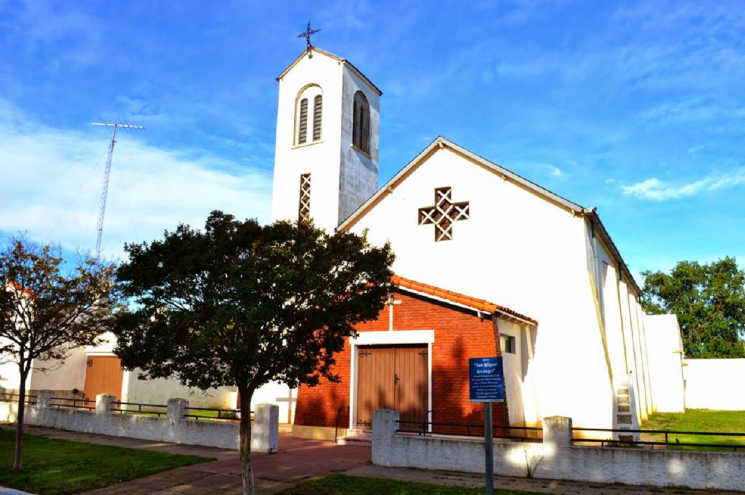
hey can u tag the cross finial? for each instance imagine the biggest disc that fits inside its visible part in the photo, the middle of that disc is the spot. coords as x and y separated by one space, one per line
307 34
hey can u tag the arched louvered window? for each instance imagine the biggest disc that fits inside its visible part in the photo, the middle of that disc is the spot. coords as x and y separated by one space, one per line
361 122
317 117
302 132
309 115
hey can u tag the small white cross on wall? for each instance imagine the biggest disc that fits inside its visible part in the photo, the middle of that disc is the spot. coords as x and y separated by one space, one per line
290 401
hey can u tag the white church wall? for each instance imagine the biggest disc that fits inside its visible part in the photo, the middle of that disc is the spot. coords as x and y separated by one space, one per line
278 394
629 339
638 372
159 390
517 250
665 363
715 384
514 378
359 172
645 396
645 359
613 322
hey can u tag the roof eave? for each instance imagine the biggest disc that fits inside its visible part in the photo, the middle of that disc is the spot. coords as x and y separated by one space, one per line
441 142
592 215
344 61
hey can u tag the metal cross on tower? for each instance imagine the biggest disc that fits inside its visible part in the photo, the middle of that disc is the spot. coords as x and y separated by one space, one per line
106 176
307 34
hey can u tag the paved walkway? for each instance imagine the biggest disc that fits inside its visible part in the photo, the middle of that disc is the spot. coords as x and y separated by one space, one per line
297 460
300 459
520 484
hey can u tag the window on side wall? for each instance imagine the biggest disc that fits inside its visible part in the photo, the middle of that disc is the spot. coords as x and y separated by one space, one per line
361 122
507 343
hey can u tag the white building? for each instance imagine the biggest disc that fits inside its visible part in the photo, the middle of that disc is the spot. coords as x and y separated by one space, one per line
461 222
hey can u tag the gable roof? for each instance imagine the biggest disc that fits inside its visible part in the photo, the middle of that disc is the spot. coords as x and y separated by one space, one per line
460 299
335 57
440 143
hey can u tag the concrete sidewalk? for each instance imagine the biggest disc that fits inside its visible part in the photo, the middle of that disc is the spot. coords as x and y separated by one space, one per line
518 484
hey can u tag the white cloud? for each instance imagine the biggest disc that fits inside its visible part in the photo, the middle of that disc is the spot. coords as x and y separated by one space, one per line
51 182
657 190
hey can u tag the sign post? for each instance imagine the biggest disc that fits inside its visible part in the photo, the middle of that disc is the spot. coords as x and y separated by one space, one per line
486 384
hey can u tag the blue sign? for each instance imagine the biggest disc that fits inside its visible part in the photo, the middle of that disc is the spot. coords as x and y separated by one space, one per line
486 379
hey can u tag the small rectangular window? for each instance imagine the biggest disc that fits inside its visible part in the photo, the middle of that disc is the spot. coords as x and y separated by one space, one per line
302 133
507 343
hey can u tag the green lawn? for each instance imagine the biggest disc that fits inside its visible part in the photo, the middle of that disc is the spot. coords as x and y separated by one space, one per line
59 467
703 420
339 484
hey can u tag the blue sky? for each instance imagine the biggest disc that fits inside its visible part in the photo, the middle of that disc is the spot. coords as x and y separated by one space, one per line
637 108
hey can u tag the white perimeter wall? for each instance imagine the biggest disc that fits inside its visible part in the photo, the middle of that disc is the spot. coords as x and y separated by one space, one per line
557 458
715 384
666 362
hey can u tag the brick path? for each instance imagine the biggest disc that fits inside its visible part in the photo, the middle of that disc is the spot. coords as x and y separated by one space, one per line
296 461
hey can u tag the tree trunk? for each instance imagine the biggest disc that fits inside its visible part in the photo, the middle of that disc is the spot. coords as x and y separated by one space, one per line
17 460
246 469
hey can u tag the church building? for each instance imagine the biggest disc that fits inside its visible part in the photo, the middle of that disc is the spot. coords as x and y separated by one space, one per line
488 263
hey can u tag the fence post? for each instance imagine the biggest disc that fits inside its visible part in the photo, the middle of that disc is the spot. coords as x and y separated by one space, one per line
265 430
384 426
557 431
104 403
177 409
44 399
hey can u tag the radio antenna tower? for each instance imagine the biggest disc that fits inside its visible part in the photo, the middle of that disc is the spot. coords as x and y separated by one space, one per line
107 174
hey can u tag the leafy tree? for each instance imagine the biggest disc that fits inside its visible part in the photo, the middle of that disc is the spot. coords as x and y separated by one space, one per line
242 304
45 313
709 300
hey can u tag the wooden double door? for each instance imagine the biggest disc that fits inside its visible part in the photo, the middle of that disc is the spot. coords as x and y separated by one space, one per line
392 377
103 376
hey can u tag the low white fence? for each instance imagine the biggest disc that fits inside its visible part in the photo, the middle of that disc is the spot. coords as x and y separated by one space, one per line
557 458
175 428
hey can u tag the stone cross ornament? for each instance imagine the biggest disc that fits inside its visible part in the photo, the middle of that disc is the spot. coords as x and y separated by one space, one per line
444 213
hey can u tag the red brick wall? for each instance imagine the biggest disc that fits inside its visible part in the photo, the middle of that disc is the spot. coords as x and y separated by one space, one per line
459 335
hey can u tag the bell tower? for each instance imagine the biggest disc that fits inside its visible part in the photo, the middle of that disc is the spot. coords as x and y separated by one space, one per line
326 153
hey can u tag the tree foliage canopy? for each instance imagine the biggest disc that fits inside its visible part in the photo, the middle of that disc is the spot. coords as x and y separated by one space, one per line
709 300
45 312
241 304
